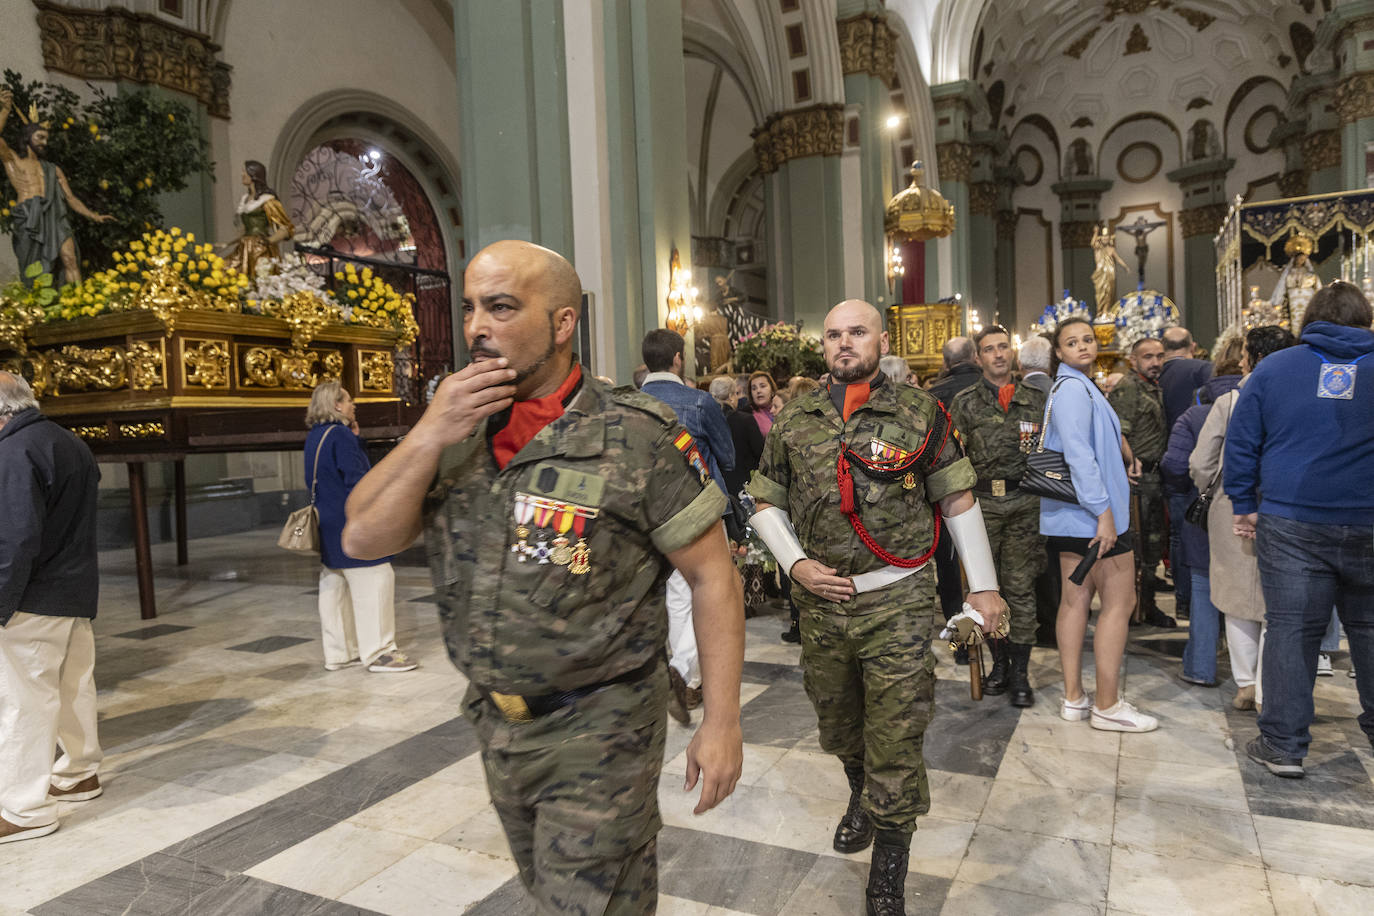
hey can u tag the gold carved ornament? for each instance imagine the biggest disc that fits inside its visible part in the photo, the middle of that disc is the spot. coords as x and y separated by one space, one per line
378 369
146 366
868 45
787 135
166 295
269 367
152 429
306 313
92 433
15 320
76 368
207 364
918 213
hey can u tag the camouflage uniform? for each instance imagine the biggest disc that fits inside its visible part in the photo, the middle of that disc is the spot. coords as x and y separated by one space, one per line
576 788
996 442
1139 405
867 664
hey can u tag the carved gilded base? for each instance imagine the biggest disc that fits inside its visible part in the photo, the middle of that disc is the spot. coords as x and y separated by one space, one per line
917 333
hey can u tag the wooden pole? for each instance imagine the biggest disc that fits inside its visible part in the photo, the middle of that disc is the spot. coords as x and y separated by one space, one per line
143 555
180 486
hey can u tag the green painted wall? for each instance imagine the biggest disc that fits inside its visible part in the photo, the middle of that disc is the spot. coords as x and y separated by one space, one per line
875 169
805 197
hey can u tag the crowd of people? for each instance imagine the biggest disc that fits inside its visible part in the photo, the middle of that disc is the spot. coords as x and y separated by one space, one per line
583 540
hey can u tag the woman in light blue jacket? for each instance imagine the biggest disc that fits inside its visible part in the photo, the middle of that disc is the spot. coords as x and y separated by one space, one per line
1083 426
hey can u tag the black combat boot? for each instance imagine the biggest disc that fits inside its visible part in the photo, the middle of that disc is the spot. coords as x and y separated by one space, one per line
855 830
1021 693
887 875
995 681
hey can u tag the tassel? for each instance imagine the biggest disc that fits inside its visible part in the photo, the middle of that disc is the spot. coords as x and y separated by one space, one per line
845 478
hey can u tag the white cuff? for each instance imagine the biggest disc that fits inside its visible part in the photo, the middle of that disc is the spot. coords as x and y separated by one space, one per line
971 540
777 532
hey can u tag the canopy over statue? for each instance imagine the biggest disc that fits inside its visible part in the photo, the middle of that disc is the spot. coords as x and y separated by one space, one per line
42 225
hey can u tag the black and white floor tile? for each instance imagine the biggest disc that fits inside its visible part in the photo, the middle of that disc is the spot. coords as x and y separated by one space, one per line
242 778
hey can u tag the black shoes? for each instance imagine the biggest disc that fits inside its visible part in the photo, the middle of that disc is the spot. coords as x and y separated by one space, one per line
792 635
1259 751
855 830
887 881
1154 617
995 681
1021 694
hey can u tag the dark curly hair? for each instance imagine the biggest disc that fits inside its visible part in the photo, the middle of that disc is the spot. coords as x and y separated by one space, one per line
1269 338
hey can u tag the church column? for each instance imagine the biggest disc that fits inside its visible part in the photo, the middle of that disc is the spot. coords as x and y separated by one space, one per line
1348 32
987 148
799 154
580 146
867 58
955 105
1203 185
1080 202
1005 220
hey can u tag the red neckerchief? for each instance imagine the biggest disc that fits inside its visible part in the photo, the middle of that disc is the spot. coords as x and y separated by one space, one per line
1004 395
525 419
849 397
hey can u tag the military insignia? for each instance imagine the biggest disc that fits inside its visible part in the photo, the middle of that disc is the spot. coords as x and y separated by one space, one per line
1026 436
523 512
541 552
884 451
581 562
684 443
1337 381
909 481
561 554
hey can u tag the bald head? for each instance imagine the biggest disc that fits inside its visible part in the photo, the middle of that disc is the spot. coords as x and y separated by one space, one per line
959 351
854 341
537 268
1178 342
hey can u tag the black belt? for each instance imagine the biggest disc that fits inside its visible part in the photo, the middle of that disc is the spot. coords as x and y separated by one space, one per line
523 709
987 486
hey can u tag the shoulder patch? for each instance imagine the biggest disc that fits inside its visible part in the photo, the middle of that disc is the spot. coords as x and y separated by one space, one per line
684 443
629 397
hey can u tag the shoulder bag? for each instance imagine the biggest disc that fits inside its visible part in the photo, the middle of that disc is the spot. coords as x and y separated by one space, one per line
1047 473
301 533
1196 513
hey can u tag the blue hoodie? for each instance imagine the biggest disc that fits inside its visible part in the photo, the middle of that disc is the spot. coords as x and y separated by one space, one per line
1295 455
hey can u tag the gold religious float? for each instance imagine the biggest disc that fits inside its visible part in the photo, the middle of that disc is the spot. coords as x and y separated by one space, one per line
1274 255
916 214
172 352
918 333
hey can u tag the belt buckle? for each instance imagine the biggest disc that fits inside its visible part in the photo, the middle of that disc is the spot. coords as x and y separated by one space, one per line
514 708
999 488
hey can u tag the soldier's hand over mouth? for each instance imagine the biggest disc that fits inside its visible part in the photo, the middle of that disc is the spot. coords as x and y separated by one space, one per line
465 399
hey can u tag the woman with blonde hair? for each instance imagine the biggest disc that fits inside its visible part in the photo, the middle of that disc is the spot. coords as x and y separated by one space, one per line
357 600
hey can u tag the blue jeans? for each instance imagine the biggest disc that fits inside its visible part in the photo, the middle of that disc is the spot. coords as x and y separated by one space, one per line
1305 569
1204 628
1331 642
1178 505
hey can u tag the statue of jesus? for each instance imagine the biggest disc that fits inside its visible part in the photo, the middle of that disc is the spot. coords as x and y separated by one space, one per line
42 229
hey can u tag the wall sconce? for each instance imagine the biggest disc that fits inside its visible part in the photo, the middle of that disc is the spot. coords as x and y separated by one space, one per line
975 323
683 311
895 269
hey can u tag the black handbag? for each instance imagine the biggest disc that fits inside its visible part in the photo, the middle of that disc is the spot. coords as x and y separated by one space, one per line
1047 473
1196 513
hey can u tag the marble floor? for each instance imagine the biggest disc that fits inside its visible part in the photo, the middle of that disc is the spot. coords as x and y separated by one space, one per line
242 778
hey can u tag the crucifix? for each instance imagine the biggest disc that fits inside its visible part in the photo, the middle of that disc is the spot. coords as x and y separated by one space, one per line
1139 229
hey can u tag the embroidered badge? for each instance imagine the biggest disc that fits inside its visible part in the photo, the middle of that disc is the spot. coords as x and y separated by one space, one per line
684 443
1337 381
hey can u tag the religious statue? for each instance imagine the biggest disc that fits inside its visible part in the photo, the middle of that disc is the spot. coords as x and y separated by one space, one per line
265 223
1298 283
1202 141
1104 274
1080 159
1138 230
42 228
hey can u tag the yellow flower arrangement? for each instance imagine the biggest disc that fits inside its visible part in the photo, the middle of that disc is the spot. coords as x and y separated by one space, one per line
375 303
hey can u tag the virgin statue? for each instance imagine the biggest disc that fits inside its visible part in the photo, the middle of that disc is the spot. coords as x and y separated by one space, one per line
1104 274
265 223
1298 283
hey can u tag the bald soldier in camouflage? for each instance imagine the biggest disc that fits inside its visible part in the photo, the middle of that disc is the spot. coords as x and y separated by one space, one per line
554 509
1139 404
998 420
864 455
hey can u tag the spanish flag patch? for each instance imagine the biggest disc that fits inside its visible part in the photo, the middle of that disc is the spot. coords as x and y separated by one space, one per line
685 444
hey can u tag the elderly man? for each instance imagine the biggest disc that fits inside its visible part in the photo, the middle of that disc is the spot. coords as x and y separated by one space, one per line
866 470
554 508
1034 357
961 371
48 590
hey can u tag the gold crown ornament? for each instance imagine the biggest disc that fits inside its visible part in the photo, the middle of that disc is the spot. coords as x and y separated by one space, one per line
1299 243
32 117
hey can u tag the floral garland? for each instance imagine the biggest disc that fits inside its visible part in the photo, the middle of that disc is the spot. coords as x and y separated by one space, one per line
277 278
780 348
1065 308
1143 313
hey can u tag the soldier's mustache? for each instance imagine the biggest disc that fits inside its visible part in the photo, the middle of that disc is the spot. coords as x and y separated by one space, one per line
484 351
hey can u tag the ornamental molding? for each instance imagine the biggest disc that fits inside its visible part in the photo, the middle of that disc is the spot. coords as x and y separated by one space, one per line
1293 184
1006 224
954 161
115 44
982 198
1077 234
868 45
817 130
1321 150
1203 220
1355 97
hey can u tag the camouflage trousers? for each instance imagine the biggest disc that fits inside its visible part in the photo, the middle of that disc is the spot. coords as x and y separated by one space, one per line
871 678
1018 550
1151 530
577 794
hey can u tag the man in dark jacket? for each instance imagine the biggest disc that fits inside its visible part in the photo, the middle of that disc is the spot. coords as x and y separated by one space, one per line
48 590
714 449
1299 468
961 371
1179 377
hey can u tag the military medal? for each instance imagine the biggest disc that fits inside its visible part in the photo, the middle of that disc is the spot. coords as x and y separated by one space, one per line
580 563
561 554
524 511
909 481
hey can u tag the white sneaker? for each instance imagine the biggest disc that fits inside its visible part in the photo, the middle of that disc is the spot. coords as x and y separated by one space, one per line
1076 711
339 666
1324 666
1123 717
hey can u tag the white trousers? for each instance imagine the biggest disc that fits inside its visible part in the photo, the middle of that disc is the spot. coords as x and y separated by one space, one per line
357 613
682 636
1243 642
47 699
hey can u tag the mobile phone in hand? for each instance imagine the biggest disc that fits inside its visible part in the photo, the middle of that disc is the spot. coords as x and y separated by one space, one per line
1080 572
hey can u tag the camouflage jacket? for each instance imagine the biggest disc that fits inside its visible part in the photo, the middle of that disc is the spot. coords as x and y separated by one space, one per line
1139 405
995 440
798 473
616 471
